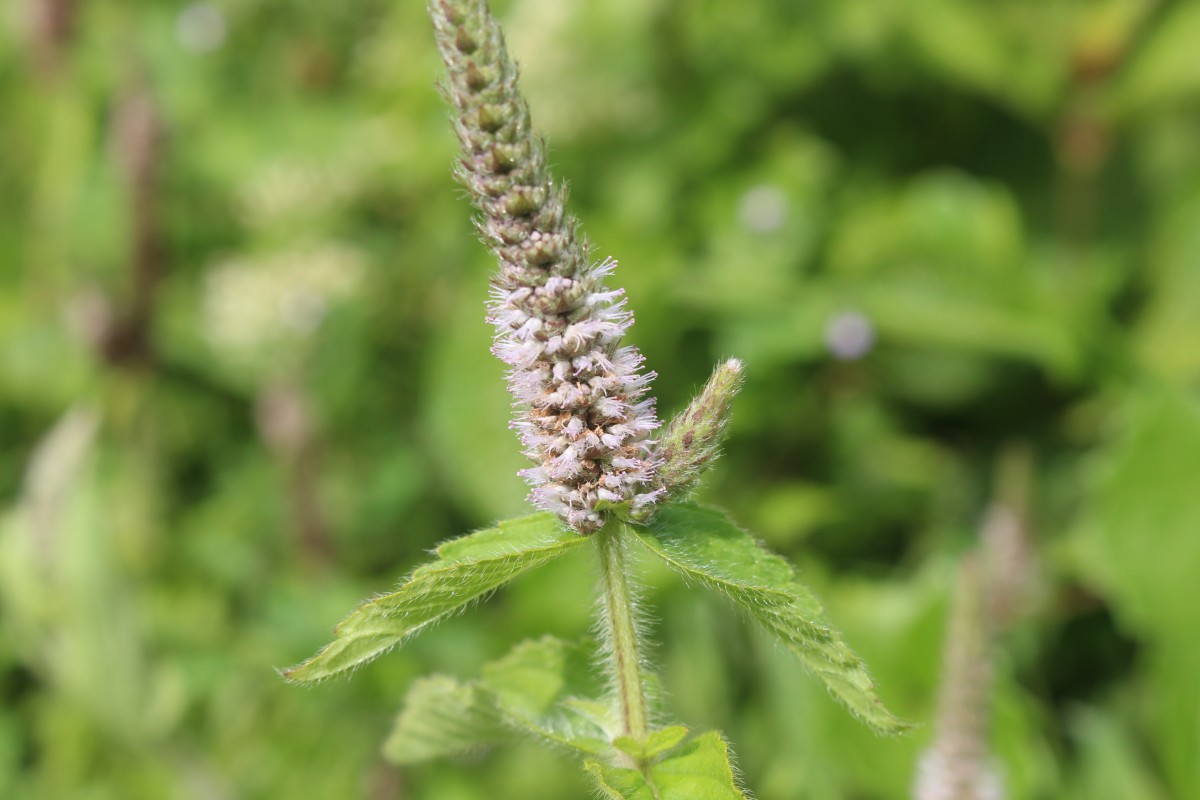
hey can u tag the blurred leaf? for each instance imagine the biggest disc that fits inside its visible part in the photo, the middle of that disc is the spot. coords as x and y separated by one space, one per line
40 363
941 263
465 570
1109 762
1164 68
928 315
1140 530
441 718
1169 327
77 613
543 687
568 95
1174 693
697 770
989 48
704 545
1138 542
539 688
962 229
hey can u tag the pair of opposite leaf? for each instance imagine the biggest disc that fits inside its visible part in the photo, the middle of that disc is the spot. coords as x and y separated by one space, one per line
473 566
700 543
543 688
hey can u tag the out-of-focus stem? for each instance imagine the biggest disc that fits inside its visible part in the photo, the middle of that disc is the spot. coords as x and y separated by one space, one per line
51 24
137 145
285 425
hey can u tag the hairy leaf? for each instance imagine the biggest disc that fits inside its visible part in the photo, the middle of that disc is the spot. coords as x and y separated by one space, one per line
443 717
543 687
540 687
704 545
699 769
465 570
657 743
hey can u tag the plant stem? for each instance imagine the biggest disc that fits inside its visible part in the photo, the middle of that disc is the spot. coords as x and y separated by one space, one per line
621 630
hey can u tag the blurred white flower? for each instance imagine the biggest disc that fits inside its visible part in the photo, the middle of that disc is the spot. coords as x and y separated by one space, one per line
763 209
849 335
255 306
200 27
290 189
943 775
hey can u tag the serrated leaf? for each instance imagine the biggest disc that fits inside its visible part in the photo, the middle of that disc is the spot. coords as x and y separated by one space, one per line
697 770
544 687
704 545
443 717
465 570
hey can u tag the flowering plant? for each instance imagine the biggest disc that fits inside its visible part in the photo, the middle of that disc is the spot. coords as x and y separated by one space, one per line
598 477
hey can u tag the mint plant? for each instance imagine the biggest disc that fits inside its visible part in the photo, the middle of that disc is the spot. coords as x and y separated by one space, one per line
600 479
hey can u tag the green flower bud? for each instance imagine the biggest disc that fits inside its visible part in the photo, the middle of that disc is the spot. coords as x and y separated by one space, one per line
692 441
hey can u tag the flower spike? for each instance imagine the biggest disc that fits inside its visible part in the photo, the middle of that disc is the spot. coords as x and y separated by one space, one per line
584 418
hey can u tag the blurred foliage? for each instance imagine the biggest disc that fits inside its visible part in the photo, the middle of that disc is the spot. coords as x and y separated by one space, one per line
246 383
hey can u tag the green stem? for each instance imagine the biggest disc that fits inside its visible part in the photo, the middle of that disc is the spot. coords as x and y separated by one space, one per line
619 624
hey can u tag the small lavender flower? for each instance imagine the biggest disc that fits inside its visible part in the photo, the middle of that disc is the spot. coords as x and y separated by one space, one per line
584 419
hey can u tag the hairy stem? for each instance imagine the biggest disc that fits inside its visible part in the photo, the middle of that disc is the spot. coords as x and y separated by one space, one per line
621 631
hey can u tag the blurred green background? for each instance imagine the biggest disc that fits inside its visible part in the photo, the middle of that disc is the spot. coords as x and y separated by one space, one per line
245 380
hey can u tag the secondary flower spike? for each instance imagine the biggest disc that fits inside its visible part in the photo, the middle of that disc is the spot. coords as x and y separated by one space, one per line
585 419
692 440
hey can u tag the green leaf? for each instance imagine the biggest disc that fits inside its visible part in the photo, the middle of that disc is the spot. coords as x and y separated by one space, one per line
465 570
657 743
1163 68
706 546
697 770
1138 545
1139 537
443 717
544 687
540 687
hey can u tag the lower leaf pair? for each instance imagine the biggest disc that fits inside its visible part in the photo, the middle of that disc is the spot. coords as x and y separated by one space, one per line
542 687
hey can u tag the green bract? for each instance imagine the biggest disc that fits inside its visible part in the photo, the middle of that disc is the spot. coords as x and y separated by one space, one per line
696 770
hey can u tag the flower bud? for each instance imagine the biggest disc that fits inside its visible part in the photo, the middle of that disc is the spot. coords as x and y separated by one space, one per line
692 441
